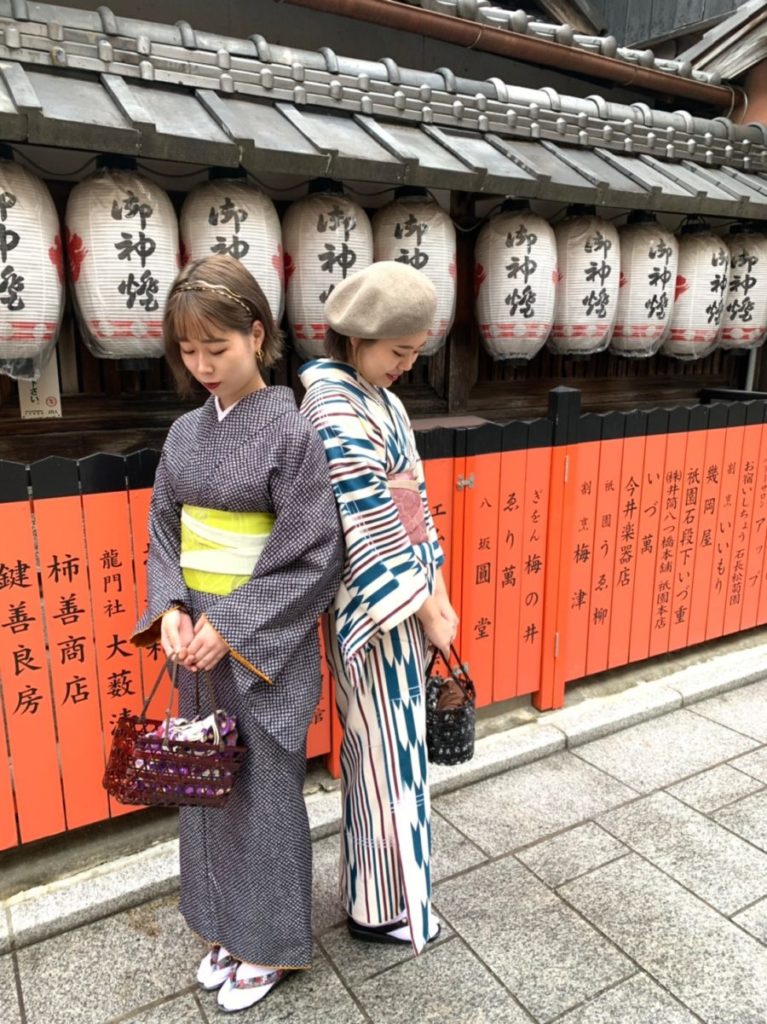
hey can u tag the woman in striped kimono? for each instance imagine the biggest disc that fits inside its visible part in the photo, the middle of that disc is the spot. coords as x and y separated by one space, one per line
245 554
392 597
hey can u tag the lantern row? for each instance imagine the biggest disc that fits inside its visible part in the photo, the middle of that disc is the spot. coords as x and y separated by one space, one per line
579 287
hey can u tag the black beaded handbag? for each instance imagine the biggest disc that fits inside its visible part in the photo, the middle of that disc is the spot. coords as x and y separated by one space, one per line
450 712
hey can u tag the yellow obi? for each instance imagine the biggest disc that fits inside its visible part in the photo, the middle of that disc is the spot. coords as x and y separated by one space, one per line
219 550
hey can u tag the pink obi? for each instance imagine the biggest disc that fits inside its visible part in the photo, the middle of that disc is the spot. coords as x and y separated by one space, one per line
406 495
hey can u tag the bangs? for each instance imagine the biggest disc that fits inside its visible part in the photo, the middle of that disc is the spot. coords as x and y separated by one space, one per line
199 315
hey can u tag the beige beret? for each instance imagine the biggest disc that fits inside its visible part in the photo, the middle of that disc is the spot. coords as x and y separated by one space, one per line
386 300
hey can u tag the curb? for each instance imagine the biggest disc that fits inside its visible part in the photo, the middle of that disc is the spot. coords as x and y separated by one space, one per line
44 911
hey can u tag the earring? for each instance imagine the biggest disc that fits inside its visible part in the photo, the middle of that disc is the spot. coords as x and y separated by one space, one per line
259 355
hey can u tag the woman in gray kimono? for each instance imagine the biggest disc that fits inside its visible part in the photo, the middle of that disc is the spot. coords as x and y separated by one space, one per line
245 553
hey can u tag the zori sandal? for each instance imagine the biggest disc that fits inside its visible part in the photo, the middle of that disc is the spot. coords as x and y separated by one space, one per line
394 933
241 992
215 968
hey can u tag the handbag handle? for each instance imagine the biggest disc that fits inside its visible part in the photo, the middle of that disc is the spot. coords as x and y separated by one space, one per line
437 653
171 667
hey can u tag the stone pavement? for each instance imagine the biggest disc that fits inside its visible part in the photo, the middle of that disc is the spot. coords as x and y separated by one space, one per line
621 880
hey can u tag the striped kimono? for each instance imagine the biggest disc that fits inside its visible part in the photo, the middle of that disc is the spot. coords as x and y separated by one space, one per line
376 649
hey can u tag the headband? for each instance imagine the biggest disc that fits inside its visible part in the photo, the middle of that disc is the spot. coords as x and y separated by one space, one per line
204 286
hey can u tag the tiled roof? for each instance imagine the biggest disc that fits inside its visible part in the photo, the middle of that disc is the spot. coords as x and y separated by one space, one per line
89 80
486 13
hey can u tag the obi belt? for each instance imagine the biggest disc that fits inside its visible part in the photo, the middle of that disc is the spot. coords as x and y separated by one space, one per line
219 550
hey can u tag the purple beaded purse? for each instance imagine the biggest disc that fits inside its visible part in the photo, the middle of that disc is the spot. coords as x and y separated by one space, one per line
174 762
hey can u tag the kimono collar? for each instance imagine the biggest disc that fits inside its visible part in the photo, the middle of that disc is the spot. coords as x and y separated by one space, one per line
331 370
269 401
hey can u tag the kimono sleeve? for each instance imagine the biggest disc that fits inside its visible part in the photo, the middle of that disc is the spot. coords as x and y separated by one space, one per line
431 529
166 588
386 582
298 572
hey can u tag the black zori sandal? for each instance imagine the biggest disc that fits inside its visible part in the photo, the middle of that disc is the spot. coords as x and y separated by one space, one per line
396 933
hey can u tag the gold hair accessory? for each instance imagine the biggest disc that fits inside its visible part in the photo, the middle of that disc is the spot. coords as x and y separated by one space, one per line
204 286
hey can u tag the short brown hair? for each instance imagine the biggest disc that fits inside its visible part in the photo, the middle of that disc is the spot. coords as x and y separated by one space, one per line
337 345
233 300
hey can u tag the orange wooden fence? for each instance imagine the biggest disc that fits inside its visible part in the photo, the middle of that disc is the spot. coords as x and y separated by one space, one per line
574 543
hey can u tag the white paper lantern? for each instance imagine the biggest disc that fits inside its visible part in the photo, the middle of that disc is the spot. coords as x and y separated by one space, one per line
701 285
123 258
229 216
31 273
649 257
417 231
327 238
515 275
588 257
744 322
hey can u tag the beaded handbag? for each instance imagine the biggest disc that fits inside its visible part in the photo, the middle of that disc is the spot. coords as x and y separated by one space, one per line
450 712
174 762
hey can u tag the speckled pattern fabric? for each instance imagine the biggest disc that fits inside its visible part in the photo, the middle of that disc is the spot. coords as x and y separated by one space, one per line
246 868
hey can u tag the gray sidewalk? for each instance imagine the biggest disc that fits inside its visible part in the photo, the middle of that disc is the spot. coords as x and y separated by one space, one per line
616 880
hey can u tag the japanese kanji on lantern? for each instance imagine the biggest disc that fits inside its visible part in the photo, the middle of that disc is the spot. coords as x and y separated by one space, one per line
588 257
515 282
122 244
649 256
701 286
327 237
416 230
744 321
230 216
31 273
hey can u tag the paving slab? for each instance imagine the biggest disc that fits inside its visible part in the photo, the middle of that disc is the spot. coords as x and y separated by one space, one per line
326 907
452 852
528 803
716 865
705 961
498 753
571 854
448 985
636 1001
308 997
177 1011
9 1002
718 672
49 910
657 753
603 715
753 764
742 710
356 961
548 957
747 818
135 957
715 788
754 920
5 938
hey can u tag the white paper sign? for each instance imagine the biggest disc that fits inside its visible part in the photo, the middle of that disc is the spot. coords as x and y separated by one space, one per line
41 399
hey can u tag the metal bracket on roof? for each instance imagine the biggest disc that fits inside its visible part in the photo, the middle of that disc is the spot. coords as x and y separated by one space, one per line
262 48
501 89
392 70
108 20
188 35
448 77
331 61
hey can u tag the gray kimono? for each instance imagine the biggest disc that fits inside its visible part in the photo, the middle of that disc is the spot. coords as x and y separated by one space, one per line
246 868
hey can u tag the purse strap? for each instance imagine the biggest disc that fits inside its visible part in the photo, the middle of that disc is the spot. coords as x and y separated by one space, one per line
171 667
458 673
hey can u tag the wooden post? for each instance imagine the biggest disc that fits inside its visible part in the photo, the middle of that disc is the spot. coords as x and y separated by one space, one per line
462 345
